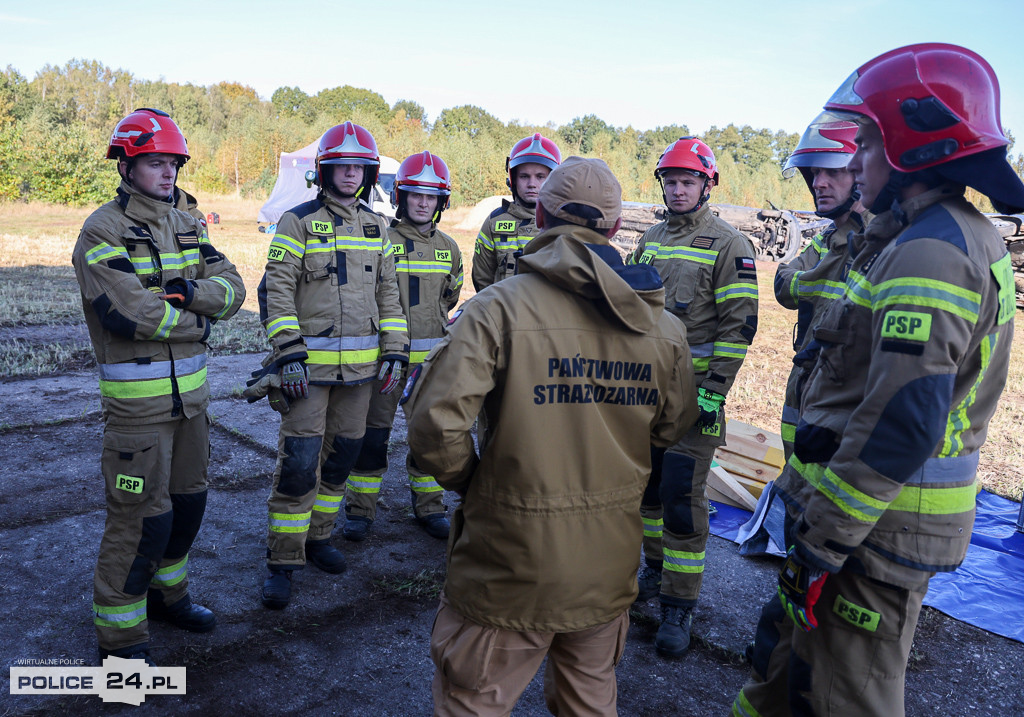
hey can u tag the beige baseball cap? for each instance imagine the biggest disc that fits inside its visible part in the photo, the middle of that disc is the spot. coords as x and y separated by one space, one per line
584 183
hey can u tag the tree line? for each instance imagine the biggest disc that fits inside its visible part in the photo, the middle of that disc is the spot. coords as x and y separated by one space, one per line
55 127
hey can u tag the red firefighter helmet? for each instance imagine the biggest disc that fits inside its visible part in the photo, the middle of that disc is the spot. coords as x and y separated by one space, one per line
349 143
422 173
826 143
933 103
691 154
537 149
147 131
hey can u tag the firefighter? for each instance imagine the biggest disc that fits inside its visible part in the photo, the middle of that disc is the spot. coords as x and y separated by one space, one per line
817 276
329 303
508 229
152 287
911 362
574 368
429 267
711 285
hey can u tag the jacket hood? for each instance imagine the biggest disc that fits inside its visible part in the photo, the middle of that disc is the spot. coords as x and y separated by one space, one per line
580 260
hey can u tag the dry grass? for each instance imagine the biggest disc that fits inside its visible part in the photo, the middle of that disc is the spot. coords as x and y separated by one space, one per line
37 287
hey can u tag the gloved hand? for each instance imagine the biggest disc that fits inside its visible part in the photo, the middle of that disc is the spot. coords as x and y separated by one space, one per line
178 293
391 375
295 380
799 589
710 403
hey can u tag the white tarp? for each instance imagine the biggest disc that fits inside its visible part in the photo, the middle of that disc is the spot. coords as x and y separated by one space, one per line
291 190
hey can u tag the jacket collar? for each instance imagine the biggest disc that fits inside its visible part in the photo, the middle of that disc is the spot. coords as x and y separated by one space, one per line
141 207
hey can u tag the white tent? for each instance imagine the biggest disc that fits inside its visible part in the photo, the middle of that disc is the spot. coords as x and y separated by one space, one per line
291 190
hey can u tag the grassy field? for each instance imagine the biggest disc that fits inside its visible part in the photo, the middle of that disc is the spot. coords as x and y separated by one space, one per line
40 308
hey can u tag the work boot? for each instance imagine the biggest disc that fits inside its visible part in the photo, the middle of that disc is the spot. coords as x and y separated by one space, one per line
184 613
134 652
356 528
277 589
436 525
325 556
674 633
649 582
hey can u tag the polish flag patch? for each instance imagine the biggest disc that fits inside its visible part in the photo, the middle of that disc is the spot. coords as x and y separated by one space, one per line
745 263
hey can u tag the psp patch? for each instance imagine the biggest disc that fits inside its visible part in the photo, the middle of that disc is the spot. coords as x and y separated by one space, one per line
505 226
318 227
907 325
371 231
129 484
745 263
442 255
856 615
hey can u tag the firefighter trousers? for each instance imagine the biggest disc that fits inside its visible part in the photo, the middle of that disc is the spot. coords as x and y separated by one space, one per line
155 485
853 663
317 446
367 476
480 670
674 510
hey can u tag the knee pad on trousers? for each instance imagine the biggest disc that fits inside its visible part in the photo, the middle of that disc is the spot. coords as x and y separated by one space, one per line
652 491
340 463
766 638
374 452
298 469
156 530
676 487
188 516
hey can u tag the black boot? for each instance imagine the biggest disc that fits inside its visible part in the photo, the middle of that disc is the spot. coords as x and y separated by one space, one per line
356 528
277 589
436 525
184 613
648 581
673 636
134 652
325 556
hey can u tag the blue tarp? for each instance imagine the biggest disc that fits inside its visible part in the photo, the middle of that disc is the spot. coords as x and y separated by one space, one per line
987 591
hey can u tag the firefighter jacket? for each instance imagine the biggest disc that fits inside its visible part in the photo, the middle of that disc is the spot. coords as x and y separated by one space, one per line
911 364
151 355
501 241
329 293
711 284
429 268
816 277
185 202
575 369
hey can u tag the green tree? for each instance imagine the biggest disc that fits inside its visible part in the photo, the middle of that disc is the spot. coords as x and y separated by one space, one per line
413 110
580 133
341 103
468 120
292 102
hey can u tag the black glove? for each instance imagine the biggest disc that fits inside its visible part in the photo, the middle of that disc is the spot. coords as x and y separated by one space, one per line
710 403
178 292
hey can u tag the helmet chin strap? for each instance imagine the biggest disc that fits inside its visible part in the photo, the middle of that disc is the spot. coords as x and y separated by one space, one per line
840 210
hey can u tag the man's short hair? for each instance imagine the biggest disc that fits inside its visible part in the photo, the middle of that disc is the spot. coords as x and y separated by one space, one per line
584 192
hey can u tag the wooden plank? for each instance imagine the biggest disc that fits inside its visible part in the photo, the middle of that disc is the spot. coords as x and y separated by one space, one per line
727 485
754 442
738 464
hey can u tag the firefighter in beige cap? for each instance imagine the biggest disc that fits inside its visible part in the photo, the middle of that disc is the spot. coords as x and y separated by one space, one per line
574 368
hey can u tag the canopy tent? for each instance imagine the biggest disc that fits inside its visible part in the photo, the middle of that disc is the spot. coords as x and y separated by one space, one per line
291 190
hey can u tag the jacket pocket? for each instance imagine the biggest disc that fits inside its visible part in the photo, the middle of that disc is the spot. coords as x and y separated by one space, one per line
835 335
129 464
684 278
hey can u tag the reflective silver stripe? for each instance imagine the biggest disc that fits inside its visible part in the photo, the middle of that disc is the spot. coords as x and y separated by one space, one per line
956 469
423 344
342 343
157 369
702 350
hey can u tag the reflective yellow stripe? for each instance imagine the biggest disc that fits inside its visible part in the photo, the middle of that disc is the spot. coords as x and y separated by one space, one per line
936 501
289 522
152 387
681 561
122 616
337 358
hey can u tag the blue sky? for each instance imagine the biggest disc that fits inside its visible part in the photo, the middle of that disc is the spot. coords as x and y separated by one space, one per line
766 64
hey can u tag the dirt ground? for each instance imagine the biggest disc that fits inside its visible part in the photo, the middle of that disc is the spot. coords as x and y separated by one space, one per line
356 643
